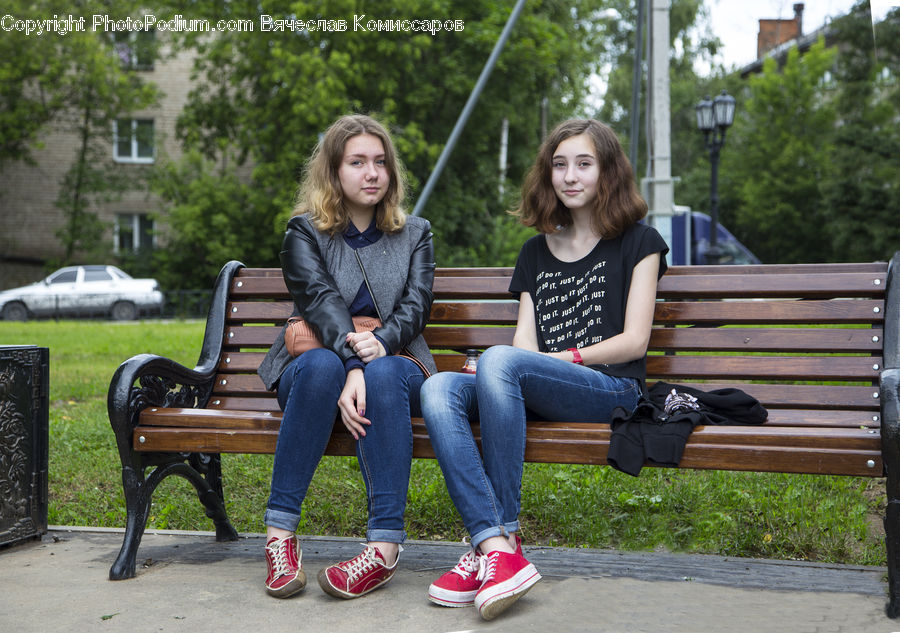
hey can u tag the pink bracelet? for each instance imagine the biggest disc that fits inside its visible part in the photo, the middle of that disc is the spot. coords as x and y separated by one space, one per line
577 356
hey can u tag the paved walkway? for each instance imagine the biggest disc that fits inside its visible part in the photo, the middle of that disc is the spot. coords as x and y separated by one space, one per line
189 582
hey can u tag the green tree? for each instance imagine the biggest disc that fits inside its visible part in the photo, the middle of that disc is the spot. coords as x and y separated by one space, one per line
30 71
75 81
861 191
98 90
778 154
262 99
208 222
690 41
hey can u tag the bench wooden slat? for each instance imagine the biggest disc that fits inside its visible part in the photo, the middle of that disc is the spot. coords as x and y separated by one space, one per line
699 286
789 456
261 336
472 288
259 311
270 418
857 311
777 395
460 312
783 460
259 402
780 269
728 339
767 312
445 286
473 272
846 368
742 269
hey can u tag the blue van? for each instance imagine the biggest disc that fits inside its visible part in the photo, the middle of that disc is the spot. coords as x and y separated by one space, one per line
690 241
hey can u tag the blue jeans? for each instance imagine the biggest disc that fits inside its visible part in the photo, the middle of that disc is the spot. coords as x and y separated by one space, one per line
511 384
308 392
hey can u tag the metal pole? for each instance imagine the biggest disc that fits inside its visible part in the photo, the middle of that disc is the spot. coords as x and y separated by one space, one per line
636 85
467 110
714 202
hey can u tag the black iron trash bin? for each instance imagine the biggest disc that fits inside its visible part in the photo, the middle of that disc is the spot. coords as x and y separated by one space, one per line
24 439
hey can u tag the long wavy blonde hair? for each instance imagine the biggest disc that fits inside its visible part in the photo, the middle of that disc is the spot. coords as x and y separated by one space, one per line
320 194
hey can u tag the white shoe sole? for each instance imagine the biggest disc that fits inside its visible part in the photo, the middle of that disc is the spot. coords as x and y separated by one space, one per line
493 601
447 598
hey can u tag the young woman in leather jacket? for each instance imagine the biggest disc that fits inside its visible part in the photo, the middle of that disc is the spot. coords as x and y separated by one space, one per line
350 250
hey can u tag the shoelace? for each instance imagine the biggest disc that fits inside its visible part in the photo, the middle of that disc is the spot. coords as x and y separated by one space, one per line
487 566
469 563
356 567
279 550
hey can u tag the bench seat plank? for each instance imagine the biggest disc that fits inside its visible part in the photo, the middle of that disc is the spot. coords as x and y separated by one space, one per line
747 450
271 417
769 394
852 311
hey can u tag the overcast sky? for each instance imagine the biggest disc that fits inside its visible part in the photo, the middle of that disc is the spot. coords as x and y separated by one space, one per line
736 22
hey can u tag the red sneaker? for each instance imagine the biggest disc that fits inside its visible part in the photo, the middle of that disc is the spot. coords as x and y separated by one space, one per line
507 577
457 587
358 576
283 558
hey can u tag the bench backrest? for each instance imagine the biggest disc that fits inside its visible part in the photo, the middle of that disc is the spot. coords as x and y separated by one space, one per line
774 331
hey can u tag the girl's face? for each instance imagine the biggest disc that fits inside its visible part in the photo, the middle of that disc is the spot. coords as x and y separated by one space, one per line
575 172
363 173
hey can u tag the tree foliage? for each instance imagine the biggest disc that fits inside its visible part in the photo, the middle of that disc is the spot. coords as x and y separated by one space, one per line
98 90
691 44
262 98
30 71
812 160
778 155
861 190
76 82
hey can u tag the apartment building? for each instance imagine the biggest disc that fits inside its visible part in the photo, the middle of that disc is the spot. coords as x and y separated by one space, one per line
29 217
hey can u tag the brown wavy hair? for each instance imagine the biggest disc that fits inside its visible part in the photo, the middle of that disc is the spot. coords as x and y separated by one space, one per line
320 194
619 204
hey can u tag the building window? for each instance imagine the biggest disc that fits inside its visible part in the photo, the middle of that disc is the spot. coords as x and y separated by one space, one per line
136 49
133 140
134 232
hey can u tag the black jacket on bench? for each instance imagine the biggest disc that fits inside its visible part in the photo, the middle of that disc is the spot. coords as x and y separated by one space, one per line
652 434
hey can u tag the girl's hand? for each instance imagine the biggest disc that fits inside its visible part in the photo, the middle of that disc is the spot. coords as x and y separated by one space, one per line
365 346
352 403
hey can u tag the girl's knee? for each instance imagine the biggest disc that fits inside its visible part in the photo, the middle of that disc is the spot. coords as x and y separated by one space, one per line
387 372
442 388
316 368
501 358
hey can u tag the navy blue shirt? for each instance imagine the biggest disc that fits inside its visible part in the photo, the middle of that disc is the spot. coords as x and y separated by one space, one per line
363 304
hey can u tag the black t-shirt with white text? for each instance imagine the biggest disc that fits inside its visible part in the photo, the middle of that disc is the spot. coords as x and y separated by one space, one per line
580 303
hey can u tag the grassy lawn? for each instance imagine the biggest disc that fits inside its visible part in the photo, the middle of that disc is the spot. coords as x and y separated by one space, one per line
800 517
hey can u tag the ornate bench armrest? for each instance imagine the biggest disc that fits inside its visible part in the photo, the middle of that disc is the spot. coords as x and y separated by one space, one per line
163 382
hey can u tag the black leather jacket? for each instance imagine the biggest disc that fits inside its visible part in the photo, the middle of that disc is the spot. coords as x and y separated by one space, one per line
323 276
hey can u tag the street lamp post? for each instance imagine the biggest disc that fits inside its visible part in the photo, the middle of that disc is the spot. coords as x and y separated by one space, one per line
714 117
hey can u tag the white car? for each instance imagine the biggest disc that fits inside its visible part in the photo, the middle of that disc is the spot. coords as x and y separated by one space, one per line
83 291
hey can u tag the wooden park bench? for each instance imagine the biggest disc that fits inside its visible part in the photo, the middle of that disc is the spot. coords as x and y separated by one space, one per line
816 344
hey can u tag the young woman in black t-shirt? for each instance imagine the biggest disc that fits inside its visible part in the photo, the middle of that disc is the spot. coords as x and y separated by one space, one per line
586 286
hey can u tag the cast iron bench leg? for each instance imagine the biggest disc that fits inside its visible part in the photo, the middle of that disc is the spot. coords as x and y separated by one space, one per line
139 493
890 448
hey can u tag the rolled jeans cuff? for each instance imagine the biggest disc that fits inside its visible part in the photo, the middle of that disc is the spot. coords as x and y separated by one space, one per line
378 535
497 530
282 520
